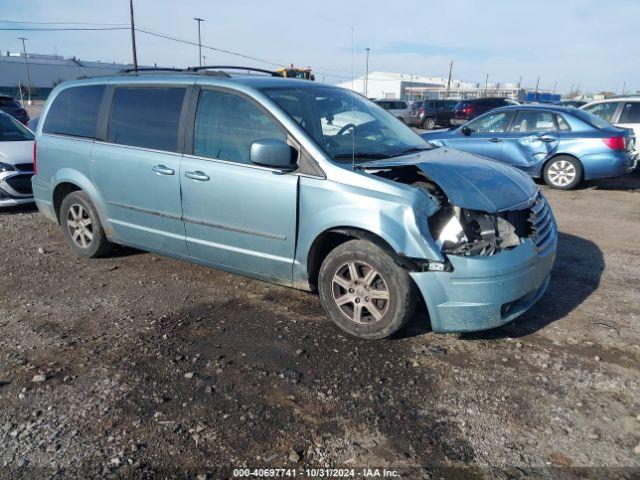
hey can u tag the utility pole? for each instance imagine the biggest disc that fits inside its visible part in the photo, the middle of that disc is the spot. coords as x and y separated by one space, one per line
486 85
366 75
133 36
538 84
26 66
624 87
519 83
204 59
199 20
449 80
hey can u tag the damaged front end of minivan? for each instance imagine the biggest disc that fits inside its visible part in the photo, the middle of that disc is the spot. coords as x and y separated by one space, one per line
494 229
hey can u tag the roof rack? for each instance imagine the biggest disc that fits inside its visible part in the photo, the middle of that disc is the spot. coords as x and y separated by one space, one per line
151 69
233 67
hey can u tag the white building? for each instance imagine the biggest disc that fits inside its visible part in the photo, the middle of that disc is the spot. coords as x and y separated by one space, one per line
46 71
416 87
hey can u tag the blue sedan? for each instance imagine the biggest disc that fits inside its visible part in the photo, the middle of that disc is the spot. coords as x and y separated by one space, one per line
561 145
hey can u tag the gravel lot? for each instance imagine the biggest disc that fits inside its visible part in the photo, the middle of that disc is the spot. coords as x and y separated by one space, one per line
142 366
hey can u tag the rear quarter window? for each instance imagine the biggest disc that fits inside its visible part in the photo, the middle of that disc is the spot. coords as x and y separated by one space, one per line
74 112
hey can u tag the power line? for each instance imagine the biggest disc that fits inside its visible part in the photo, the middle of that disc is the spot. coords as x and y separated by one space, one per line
59 29
121 26
62 23
221 50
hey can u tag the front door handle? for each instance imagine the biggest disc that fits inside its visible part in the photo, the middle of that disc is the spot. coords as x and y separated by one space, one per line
197 175
495 140
163 170
546 139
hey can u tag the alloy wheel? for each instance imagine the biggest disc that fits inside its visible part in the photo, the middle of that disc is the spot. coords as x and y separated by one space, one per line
561 173
360 292
80 225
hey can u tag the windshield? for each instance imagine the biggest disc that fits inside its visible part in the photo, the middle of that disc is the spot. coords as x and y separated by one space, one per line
12 131
344 123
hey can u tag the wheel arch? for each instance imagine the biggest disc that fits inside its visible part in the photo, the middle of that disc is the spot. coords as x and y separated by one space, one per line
329 239
561 154
67 181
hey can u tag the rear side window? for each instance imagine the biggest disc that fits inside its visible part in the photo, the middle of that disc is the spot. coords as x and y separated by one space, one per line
630 113
227 125
563 126
74 112
146 117
531 121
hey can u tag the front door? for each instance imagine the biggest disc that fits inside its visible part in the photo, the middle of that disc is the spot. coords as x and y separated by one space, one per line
483 135
237 215
137 170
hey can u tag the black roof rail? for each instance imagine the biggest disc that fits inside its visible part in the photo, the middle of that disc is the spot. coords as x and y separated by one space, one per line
233 67
151 69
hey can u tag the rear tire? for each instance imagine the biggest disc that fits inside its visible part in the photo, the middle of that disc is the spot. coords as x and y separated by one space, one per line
563 172
364 291
81 226
429 123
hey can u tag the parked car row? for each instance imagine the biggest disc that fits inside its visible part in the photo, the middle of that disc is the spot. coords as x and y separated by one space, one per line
315 187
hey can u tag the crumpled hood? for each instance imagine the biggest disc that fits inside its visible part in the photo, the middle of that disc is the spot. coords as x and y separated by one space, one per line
468 180
16 152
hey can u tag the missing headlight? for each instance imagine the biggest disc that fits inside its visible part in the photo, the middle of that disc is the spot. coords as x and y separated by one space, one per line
467 232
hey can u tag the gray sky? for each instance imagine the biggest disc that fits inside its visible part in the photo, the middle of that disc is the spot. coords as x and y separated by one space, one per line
592 43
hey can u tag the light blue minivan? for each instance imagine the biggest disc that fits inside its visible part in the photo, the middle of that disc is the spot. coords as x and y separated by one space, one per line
306 185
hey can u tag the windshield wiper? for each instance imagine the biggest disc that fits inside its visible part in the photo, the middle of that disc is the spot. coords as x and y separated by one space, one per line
412 150
370 155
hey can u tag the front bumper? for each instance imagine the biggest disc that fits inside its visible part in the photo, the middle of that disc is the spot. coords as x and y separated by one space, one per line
13 188
486 292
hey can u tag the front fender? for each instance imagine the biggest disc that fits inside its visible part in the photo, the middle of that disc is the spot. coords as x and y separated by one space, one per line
388 217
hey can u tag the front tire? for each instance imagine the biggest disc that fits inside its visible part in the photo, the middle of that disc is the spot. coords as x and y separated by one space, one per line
563 172
81 226
364 291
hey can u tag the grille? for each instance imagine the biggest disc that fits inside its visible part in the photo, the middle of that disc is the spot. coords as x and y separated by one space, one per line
20 183
25 167
543 228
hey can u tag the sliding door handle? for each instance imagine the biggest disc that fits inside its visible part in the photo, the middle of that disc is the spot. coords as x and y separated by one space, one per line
163 170
197 175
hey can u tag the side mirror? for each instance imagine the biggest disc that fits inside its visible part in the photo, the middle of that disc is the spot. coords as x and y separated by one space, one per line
274 153
466 131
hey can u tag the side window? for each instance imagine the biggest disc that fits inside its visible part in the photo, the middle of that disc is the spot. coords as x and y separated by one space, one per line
630 113
603 110
227 125
146 117
530 121
494 122
401 105
74 112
